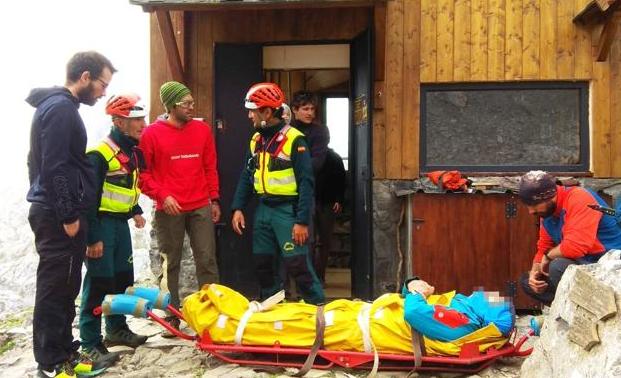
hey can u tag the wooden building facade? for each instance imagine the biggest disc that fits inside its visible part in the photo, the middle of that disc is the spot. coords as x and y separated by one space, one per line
412 45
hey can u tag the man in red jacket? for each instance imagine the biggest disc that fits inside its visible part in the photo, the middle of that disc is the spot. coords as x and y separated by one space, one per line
570 232
182 179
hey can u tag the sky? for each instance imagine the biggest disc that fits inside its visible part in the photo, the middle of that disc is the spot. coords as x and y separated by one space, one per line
39 37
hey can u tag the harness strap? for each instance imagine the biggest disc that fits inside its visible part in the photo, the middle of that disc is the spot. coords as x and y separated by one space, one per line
320 326
364 322
417 348
241 327
253 307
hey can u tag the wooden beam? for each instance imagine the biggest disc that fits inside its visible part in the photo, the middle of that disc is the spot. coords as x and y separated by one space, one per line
170 44
411 90
206 6
608 34
379 23
604 4
394 88
594 11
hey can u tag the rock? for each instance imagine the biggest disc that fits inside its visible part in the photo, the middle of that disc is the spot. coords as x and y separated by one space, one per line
554 354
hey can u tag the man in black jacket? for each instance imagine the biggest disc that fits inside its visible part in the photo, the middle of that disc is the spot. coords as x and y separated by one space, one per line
329 176
61 190
330 185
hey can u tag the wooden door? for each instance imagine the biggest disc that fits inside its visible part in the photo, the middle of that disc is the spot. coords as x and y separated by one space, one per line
464 241
360 165
237 67
461 241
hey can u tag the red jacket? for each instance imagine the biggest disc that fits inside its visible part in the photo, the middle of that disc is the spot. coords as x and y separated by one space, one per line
578 229
180 162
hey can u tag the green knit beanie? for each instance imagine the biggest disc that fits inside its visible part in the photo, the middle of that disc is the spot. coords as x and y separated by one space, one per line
172 92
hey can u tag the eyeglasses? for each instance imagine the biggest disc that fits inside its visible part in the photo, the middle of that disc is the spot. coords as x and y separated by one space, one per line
185 104
104 85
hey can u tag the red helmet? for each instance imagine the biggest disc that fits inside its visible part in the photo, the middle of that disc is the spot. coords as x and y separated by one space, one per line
126 105
263 95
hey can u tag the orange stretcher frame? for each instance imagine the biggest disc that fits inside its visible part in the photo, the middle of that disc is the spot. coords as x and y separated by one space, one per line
470 360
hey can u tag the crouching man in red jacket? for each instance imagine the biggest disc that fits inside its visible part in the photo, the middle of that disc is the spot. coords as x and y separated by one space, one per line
570 232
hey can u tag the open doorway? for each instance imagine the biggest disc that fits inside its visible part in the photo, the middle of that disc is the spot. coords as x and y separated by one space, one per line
340 74
331 86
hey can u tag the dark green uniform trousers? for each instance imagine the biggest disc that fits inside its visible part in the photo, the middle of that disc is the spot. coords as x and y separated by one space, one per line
110 274
273 245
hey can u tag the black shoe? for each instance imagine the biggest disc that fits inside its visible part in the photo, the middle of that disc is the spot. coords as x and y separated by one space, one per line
98 357
174 322
124 336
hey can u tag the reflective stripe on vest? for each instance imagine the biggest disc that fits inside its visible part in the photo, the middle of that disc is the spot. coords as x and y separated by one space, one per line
116 198
279 182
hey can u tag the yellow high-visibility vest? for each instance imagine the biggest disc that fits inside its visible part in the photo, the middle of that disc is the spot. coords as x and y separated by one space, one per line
120 188
274 173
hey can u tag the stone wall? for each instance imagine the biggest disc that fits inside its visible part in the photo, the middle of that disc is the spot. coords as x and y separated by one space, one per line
386 256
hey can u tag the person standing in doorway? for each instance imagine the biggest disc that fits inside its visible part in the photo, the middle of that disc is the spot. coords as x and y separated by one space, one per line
110 270
304 106
182 178
329 195
279 171
61 190
331 183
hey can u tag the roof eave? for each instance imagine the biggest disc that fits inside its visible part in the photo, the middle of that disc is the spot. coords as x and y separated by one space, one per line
151 5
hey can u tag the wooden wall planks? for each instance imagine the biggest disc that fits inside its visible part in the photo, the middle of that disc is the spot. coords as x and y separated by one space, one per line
424 41
522 40
394 87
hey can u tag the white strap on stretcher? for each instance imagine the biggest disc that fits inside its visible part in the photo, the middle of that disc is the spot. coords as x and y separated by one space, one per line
364 322
241 327
253 307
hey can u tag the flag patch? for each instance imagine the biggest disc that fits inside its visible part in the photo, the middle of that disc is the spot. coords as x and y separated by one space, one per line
301 149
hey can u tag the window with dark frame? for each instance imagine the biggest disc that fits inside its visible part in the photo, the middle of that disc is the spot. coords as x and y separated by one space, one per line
505 127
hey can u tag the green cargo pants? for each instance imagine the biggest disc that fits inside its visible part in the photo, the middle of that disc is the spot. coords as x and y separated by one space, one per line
171 230
273 245
110 274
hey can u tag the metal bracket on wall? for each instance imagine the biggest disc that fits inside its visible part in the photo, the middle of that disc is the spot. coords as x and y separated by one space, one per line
510 210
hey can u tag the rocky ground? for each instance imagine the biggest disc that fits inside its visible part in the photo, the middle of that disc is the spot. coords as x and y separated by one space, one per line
161 357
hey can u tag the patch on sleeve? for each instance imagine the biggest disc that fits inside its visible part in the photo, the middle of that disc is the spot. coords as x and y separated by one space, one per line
301 148
450 318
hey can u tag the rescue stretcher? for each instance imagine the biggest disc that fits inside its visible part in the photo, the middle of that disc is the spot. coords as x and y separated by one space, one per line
469 358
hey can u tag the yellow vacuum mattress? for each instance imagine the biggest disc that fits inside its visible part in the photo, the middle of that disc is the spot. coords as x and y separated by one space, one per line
349 325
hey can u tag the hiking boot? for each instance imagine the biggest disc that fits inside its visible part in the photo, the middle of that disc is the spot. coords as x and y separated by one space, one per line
124 336
94 359
64 370
174 322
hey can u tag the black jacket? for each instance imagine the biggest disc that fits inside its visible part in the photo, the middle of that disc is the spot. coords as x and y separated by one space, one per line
60 174
318 137
331 180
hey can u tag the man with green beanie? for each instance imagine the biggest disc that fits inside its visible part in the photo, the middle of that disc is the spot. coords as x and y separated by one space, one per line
181 178
115 162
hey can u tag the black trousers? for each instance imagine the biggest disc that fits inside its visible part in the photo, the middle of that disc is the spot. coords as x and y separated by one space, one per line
58 283
556 269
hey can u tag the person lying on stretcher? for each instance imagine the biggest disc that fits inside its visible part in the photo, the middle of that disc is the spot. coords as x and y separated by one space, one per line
457 318
352 325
